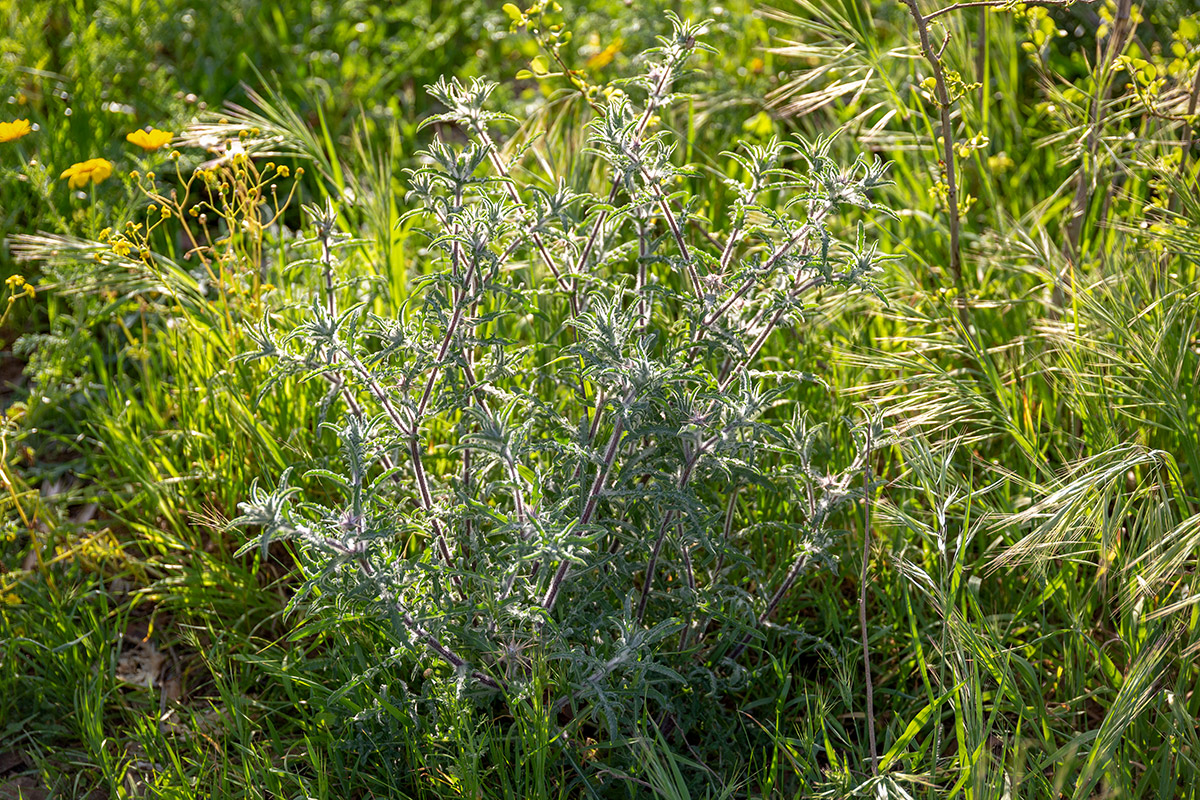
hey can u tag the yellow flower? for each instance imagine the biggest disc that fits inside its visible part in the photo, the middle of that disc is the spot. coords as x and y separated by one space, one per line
14 130
94 170
151 139
605 56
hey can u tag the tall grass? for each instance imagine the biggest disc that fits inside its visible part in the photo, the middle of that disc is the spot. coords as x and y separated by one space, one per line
1032 624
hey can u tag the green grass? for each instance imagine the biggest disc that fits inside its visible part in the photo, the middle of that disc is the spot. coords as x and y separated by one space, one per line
1032 618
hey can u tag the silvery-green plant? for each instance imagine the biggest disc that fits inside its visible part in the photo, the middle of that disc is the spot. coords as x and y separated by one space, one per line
541 457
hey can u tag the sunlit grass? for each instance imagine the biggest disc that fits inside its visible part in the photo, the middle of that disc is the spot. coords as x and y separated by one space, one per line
1032 617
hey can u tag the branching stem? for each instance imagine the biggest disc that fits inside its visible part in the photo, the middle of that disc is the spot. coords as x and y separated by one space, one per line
610 455
942 95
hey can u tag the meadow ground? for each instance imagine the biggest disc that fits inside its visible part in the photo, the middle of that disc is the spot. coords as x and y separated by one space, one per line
1013 547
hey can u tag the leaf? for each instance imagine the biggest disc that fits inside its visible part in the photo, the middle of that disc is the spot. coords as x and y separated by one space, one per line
912 729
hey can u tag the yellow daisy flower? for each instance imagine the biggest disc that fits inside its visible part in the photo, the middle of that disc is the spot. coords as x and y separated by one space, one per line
94 170
151 139
14 130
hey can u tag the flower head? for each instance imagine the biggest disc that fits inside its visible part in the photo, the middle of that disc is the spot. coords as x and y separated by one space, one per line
150 139
14 130
17 286
94 170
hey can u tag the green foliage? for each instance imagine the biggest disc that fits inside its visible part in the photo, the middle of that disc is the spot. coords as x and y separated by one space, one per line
1030 611
535 464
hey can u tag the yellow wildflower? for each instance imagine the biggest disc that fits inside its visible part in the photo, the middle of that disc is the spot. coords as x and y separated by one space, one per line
14 130
151 139
15 282
94 170
605 56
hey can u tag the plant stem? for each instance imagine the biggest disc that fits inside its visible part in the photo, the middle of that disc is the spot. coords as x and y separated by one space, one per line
339 385
1188 134
593 500
998 3
602 217
424 497
770 263
668 518
793 573
862 603
445 652
689 467
643 305
1087 170
942 95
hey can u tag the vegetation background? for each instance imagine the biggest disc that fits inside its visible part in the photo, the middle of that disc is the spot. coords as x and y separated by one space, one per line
1031 614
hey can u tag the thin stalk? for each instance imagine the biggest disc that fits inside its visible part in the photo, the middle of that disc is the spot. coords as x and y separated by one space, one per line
779 253
1087 170
602 217
689 467
690 575
592 430
862 604
789 580
451 330
643 305
335 379
424 496
445 652
726 532
677 234
581 263
431 641
797 566
668 519
942 95
1188 134
739 225
593 501
998 3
